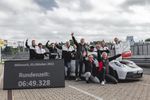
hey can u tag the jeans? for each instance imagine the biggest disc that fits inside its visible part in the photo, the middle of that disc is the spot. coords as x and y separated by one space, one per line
68 66
109 78
79 67
87 75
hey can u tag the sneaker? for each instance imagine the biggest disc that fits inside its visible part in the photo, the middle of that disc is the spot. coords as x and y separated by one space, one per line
103 83
87 81
78 79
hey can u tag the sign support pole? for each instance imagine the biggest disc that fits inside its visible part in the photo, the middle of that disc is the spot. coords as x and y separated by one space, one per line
1 54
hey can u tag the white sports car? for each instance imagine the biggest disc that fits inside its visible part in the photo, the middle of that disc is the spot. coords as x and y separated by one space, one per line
125 69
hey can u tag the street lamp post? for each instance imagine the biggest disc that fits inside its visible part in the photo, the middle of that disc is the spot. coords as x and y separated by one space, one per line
0 54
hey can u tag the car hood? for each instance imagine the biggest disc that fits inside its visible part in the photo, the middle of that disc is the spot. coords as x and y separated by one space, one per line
117 65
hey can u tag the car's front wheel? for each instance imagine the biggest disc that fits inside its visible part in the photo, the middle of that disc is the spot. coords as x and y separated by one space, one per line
114 73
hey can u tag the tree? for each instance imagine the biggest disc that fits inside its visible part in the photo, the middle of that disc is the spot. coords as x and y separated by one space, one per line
147 40
10 50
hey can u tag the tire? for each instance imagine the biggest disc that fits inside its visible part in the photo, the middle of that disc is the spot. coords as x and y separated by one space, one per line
111 79
113 73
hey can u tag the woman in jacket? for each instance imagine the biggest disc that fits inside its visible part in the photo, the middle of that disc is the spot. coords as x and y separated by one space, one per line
104 71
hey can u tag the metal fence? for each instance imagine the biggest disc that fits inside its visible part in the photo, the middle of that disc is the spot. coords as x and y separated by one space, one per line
141 49
137 49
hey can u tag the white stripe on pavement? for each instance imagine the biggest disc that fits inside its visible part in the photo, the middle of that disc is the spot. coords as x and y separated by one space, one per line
96 97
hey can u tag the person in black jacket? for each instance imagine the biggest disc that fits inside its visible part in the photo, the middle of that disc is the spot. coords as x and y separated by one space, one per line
67 55
81 53
90 68
52 50
40 52
103 47
31 49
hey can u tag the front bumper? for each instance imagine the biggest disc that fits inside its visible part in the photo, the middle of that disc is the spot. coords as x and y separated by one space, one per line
131 75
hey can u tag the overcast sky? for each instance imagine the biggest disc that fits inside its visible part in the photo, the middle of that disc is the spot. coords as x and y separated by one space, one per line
54 20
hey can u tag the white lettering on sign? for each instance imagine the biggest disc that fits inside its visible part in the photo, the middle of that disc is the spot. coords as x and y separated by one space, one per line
33 64
31 75
41 64
19 65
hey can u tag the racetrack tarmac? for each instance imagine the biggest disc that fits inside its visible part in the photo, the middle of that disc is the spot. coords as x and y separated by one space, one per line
124 90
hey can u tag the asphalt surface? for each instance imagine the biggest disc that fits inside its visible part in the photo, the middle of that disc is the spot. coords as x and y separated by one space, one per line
124 90
146 71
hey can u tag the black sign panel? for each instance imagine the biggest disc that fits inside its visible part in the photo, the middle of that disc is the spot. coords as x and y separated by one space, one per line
27 74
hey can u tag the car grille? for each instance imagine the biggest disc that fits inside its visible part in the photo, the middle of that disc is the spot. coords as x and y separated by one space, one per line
131 75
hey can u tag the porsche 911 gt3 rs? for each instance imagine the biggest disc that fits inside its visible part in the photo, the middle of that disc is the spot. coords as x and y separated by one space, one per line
125 69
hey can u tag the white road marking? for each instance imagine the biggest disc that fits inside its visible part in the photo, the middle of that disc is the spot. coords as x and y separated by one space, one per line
96 97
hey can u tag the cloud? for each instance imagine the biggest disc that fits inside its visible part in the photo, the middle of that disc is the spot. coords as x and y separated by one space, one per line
46 4
54 20
136 2
128 4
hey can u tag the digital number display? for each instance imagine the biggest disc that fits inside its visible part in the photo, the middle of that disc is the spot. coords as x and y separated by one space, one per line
34 83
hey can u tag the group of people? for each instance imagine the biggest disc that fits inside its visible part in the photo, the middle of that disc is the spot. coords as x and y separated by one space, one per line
36 51
94 58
